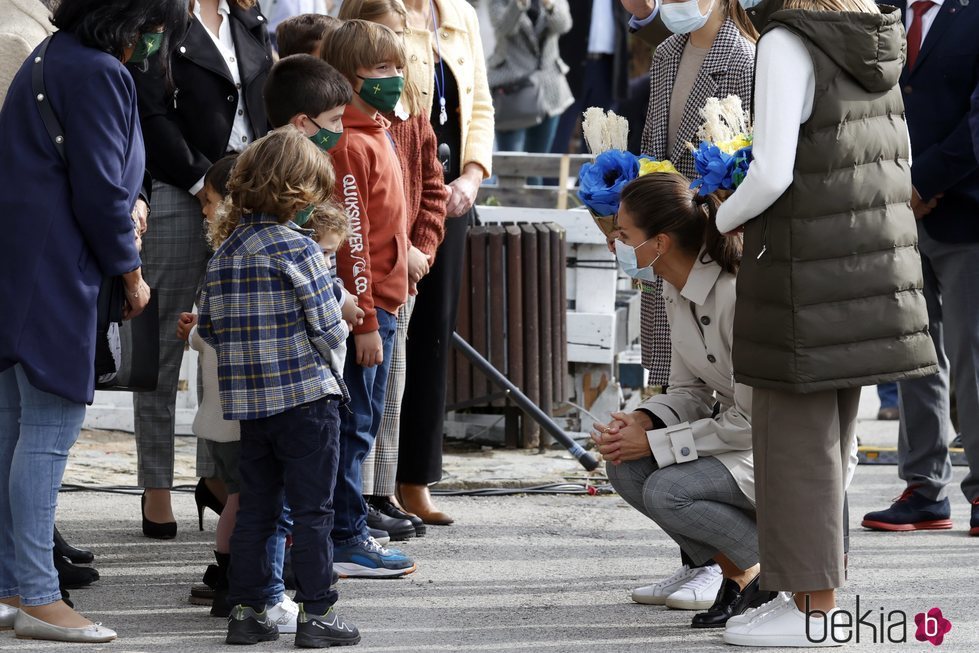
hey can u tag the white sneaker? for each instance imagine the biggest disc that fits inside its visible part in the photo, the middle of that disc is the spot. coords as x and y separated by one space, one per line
698 593
751 613
284 615
783 626
657 593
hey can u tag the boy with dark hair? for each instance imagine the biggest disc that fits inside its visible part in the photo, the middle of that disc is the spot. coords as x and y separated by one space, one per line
304 34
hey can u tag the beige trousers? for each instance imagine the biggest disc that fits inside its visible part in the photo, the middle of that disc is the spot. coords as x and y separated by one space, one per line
801 446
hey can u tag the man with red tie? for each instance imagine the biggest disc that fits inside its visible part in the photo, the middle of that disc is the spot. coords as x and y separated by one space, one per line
938 80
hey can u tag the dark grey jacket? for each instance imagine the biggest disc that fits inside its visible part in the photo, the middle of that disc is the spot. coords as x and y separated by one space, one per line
521 45
829 291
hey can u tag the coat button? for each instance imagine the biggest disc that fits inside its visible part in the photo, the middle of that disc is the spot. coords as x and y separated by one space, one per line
241 112
183 50
260 18
705 320
711 358
445 34
685 451
414 58
461 61
231 98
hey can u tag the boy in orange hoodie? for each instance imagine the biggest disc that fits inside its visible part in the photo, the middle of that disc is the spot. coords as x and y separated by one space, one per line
373 266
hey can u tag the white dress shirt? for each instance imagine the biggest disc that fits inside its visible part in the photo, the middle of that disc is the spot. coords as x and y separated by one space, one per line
601 32
927 19
241 130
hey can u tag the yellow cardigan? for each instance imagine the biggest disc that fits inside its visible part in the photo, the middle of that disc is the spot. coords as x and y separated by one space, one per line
462 52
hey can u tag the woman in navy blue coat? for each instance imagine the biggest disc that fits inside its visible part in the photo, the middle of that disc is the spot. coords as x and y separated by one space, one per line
65 225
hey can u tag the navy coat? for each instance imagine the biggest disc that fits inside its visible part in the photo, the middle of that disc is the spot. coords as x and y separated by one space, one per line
63 228
936 99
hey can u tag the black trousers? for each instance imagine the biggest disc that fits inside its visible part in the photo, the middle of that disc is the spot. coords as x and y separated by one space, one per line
427 359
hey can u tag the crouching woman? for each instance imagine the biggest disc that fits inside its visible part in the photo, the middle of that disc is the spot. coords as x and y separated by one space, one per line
684 458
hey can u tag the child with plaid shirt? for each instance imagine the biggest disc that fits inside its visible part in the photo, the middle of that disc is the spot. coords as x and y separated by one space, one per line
269 310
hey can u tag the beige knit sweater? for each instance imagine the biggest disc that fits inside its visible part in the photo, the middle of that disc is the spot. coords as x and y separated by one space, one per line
23 25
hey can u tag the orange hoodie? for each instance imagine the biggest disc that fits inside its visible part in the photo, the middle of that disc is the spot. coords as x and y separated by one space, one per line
373 263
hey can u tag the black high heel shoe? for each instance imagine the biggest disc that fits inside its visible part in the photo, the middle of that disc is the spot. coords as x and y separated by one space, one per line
151 529
77 556
204 498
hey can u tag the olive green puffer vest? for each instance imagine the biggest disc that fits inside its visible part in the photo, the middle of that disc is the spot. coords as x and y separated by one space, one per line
829 291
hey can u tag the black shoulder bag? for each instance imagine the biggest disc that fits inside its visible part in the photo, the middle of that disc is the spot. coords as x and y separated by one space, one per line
127 353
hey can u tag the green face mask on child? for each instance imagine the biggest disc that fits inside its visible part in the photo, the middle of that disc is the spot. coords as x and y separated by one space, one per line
148 45
302 217
324 139
382 93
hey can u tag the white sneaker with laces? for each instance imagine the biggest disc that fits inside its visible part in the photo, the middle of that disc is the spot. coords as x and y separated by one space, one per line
284 615
751 613
782 626
657 593
698 593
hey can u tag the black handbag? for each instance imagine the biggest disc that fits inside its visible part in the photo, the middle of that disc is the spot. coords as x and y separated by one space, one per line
127 353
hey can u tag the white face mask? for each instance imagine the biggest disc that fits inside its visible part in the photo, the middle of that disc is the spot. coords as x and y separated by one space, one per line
750 4
628 263
684 17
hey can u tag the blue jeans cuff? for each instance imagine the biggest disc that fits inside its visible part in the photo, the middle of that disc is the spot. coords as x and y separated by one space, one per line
44 600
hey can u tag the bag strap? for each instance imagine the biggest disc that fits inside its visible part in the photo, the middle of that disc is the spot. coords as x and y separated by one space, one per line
51 122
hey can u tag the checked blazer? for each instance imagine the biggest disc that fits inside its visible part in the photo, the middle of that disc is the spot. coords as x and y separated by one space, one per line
728 69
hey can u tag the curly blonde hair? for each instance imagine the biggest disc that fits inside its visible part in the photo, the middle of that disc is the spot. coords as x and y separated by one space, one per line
279 174
328 218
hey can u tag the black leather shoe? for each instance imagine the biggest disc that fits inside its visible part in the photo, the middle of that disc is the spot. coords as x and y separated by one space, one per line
386 507
151 529
77 556
73 577
398 529
321 631
246 626
732 601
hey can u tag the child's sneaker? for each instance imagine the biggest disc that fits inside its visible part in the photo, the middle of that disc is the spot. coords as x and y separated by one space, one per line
284 614
370 560
321 631
245 626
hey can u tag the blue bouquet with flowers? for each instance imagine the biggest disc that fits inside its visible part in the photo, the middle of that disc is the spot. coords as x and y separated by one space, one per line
724 154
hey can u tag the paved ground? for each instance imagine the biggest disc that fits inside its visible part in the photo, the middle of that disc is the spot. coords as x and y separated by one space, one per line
546 574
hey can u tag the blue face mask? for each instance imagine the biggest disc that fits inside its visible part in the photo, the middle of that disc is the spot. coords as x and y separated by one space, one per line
684 17
750 4
628 263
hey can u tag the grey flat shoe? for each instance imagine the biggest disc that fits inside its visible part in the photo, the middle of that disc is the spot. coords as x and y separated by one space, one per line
27 627
7 615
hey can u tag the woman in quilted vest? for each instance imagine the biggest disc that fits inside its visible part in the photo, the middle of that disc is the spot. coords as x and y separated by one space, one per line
829 292
710 54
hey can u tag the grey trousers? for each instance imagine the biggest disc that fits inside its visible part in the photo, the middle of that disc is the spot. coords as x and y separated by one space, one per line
951 273
698 504
801 448
380 468
175 257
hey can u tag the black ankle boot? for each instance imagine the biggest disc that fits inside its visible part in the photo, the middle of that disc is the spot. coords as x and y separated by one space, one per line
732 601
77 556
219 604
73 577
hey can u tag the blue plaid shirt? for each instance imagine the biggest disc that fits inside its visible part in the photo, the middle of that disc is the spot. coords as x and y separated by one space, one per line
269 310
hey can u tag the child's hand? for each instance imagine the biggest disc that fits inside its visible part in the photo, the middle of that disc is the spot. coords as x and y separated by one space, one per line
370 349
351 312
185 324
419 264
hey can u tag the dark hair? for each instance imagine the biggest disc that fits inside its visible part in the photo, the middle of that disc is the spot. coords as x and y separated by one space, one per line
114 25
664 203
218 174
303 84
304 34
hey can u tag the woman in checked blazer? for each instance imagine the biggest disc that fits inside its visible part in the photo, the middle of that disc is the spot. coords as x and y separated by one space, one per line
715 60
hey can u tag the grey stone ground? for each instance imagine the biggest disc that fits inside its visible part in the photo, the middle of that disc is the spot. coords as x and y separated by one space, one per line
524 573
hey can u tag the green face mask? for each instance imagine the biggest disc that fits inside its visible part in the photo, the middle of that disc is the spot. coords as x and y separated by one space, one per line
148 45
324 138
303 216
382 93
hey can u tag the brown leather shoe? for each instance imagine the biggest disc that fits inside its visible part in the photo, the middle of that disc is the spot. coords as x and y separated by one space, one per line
417 500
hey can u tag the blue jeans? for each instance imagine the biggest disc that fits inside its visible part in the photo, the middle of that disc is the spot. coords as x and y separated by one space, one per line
536 139
276 551
36 431
887 393
359 422
289 456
